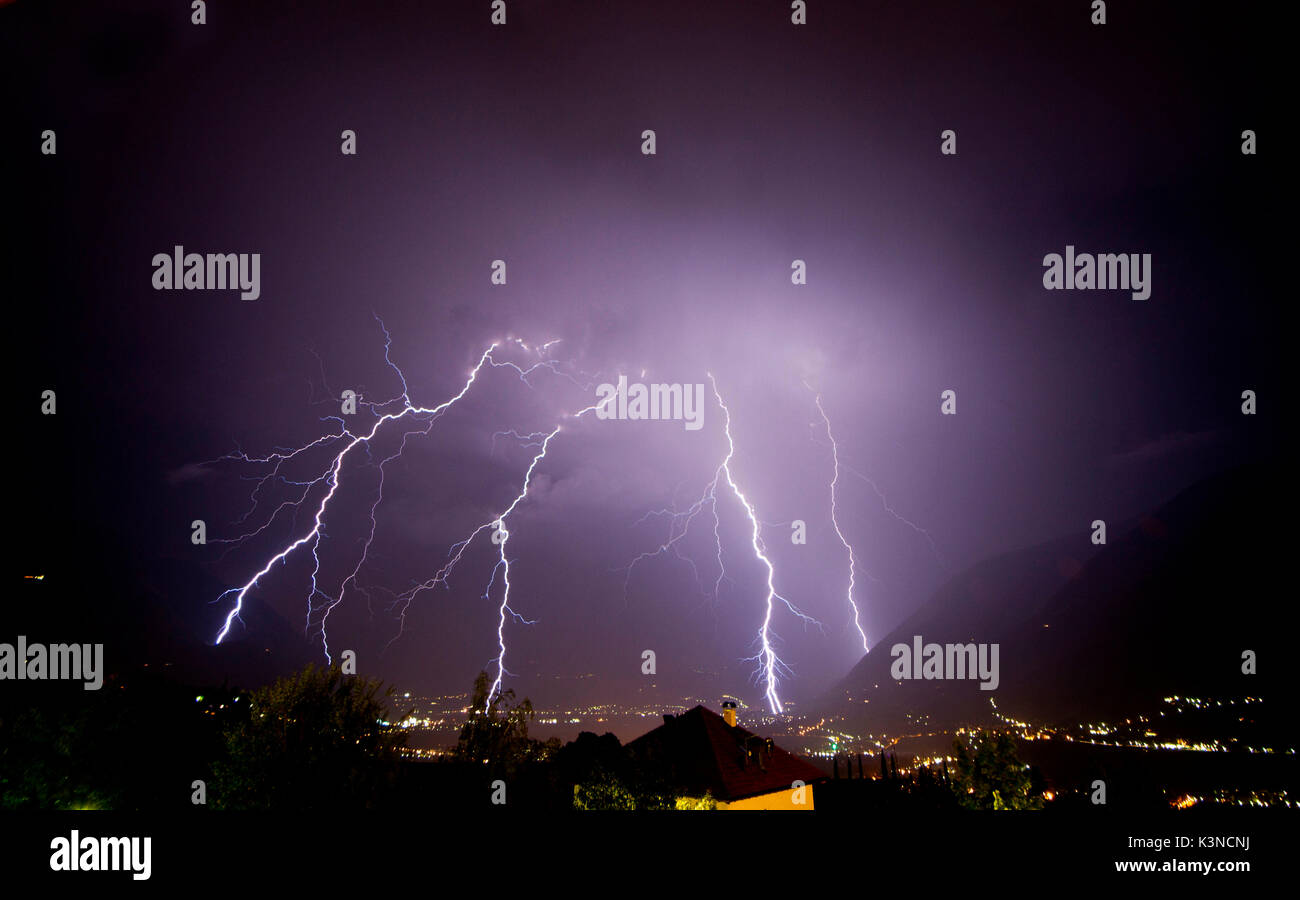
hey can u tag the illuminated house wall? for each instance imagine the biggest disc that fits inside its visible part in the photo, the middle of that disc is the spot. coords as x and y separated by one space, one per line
787 799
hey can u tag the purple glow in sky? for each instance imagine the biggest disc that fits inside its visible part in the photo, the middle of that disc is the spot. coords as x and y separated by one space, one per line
774 144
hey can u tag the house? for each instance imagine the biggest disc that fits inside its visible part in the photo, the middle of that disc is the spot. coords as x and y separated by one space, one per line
701 753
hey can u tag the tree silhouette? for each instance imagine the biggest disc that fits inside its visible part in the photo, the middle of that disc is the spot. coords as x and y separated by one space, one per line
496 733
316 739
988 774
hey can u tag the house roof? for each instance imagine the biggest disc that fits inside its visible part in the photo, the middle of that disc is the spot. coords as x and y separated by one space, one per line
698 751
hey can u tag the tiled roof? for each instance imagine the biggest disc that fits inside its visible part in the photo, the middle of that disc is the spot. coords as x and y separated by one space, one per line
698 751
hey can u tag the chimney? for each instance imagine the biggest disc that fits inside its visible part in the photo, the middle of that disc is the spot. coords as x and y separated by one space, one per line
729 712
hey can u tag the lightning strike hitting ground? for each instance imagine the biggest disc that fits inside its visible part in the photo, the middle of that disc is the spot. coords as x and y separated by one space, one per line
770 666
835 522
504 562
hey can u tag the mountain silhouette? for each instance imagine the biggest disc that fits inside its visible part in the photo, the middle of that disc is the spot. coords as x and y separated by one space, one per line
1167 606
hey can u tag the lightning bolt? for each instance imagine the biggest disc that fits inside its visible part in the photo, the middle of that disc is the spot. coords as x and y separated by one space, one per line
884 503
501 537
503 562
331 477
679 523
340 445
835 522
770 666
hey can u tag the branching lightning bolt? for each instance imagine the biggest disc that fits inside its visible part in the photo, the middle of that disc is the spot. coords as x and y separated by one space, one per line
835 521
770 666
422 419
884 503
332 477
341 442
504 562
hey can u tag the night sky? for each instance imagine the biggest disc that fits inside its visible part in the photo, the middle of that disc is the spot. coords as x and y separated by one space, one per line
774 143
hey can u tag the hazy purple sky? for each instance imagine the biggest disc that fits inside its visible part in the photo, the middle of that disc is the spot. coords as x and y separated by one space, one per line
775 142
